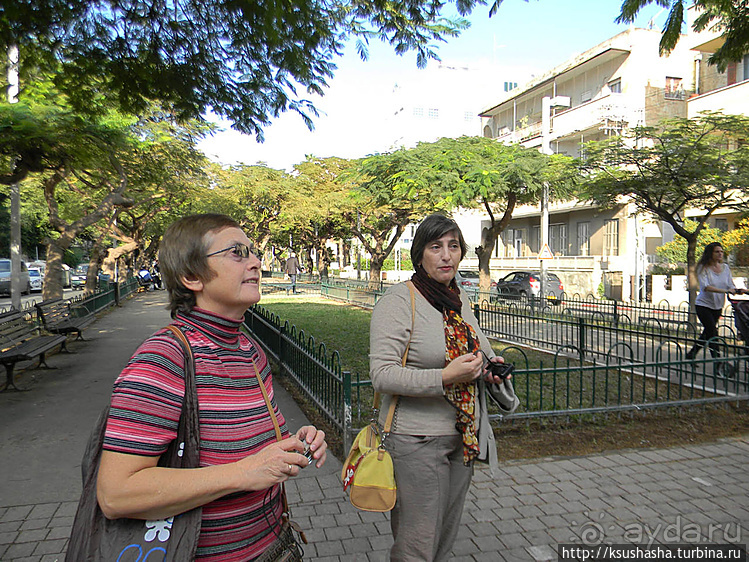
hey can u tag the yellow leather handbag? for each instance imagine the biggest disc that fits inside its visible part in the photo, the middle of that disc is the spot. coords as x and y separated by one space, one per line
368 473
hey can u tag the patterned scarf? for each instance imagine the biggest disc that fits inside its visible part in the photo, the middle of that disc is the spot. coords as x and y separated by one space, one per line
460 338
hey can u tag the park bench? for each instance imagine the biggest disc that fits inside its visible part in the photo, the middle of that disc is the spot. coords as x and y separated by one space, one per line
59 317
22 340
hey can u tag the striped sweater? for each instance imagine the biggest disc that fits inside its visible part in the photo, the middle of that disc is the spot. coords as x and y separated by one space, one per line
234 422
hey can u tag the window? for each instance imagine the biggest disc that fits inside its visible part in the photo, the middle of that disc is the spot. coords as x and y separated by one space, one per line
434 113
615 86
418 112
674 89
721 224
585 96
558 239
583 238
611 237
518 242
510 86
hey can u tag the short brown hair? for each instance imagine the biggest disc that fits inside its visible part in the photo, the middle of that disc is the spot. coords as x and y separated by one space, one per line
433 228
183 254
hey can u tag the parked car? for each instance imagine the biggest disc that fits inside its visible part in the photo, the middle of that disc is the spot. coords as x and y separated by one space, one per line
36 279
5 278
527 284
78 278
468 280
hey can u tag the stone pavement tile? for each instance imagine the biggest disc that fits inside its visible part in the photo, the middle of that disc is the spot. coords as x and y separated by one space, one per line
337 533
487 544
19 551
329 548
363 530
34 535
514 540
44 511
505 513
381 542
358 545
486 529
378 556
463 547
512 555
544 553
529 511
509 526
553 521
50 547
16 513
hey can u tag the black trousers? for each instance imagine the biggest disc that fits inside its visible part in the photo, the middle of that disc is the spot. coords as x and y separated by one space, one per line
709 319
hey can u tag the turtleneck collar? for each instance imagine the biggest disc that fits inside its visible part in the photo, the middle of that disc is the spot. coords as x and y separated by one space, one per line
220 329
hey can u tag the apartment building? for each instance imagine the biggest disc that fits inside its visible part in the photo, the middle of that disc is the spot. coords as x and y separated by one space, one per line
727 92
616 85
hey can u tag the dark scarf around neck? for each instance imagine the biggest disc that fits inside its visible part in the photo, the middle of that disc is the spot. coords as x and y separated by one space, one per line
439 296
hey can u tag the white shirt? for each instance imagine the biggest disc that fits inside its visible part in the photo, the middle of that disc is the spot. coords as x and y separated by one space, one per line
722 280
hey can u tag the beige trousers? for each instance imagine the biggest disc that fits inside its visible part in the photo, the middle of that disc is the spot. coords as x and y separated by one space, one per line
432 485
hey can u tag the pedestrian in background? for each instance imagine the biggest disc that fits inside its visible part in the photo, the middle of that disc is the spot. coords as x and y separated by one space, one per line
292 269
715 283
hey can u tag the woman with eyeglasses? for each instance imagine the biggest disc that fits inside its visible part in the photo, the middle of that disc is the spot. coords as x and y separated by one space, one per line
212 277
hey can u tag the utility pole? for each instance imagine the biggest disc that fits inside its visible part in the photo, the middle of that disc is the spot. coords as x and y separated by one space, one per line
15 194
547 105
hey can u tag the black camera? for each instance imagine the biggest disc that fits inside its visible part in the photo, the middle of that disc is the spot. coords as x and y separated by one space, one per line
501 370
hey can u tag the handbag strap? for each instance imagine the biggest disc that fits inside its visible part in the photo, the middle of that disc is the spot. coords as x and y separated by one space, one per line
190 401
394 402
276 428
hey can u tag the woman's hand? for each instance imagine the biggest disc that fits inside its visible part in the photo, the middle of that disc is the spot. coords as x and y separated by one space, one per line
315 438
462 369
272 465
487 371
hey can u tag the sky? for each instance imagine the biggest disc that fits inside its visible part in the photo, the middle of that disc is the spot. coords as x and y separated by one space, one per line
521 39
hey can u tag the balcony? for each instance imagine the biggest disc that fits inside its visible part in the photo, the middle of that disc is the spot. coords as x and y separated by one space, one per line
729 100
593 114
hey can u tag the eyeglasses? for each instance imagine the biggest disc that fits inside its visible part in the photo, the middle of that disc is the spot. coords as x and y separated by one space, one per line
238 250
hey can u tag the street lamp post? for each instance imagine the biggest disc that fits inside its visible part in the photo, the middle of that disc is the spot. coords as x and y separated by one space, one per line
547 104
15 194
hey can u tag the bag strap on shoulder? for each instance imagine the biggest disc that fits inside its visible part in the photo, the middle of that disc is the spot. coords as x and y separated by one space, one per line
394 402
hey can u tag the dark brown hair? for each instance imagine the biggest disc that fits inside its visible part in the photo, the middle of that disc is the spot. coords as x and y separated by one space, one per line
183 254
433 228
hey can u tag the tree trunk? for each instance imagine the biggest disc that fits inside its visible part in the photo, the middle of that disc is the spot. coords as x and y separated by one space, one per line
488 239
693 283
53 276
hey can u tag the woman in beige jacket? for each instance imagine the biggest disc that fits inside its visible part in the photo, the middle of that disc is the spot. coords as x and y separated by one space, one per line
441 425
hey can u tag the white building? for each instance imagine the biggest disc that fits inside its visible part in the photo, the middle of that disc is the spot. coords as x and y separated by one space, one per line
614 86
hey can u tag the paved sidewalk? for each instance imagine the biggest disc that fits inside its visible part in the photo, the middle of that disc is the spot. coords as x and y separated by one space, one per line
691 494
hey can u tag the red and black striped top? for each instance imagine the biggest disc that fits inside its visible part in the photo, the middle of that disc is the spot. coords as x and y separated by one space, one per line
234 421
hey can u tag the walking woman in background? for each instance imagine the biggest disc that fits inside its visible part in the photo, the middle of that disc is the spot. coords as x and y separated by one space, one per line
715 283
441 423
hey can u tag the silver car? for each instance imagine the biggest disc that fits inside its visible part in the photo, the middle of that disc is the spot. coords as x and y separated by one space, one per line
36 280
5 278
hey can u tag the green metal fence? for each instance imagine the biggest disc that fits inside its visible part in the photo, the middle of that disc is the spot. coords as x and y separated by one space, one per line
602 362
317 372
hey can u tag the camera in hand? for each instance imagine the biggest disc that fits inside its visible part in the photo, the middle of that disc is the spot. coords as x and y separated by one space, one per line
501 370
307 453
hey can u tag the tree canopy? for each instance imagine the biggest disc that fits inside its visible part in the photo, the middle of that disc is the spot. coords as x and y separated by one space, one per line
730 17
246 61
700 164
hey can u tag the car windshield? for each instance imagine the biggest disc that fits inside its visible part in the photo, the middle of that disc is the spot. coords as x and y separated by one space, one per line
81 270
468 274
5 266
34 273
